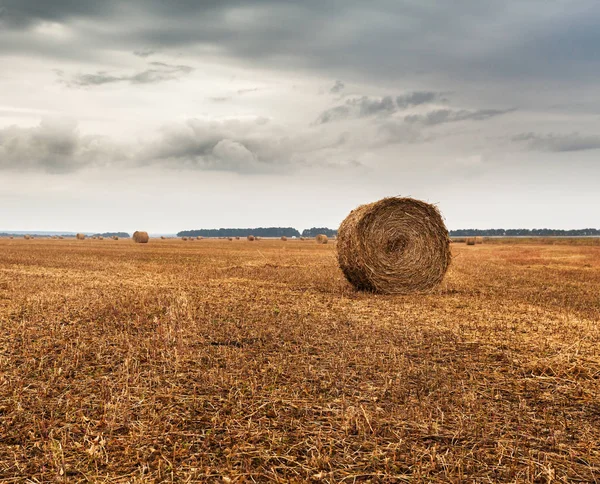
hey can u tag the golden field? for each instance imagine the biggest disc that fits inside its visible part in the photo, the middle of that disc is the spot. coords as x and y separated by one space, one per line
219 361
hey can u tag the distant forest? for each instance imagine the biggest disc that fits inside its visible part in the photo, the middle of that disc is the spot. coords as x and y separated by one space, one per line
524 232
319 230
260 232
121 235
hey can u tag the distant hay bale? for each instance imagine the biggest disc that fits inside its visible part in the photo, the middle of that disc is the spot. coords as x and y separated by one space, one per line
284 238
100 237
94 237
162 237
394 246
11 237
140 237
80 236
479 240
230 239
60 237
322 239
470 240
251 238
184 238
54 237
27 237
115 237
237 238
302 238
199 238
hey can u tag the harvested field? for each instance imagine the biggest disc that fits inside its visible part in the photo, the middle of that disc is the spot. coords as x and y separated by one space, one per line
263 364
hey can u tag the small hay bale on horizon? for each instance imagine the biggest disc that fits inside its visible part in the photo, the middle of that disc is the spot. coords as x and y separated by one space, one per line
284 238
60 237
162 237
115 237
251 238
322 239
27 237
479 239
184 238
100 237
80 236
237 238
394 246
140 237
470 241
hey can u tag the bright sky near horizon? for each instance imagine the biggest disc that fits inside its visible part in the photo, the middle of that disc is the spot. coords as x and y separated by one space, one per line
167 116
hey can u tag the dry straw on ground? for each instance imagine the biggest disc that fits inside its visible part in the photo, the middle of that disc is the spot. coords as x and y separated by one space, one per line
251 238
470 241
321 239
394 246
140 237
80 236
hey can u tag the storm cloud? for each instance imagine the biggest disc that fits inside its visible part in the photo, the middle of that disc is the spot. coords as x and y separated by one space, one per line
159 72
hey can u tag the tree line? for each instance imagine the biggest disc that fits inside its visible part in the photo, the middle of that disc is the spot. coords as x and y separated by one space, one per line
524 232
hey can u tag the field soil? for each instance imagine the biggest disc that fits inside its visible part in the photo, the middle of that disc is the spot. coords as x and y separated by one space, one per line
240 362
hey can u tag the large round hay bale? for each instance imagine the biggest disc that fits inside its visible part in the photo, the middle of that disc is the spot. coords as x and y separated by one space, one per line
284 238
80 236
140 237
251 238
470 240
322 239
394 246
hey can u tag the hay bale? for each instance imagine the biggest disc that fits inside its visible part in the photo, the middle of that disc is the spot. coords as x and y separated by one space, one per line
322 239
394 246
199 238
80 236
54 237
479 240
100 237
184 238
251 238
237 238
284 238
115 237
230 239
60 237
470 240
27 237
302 238
140 237
11 237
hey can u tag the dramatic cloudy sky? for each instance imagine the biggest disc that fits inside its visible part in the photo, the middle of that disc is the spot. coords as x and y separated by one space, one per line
168 115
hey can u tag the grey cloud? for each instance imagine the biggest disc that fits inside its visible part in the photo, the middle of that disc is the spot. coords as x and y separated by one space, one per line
144 53
417 98
337 87
441 116
537 38
366 106
55 146
160 72
558 142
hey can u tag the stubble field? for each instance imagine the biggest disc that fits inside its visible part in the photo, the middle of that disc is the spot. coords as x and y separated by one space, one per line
218 361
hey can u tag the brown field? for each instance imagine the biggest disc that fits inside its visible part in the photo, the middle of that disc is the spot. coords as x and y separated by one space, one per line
236 362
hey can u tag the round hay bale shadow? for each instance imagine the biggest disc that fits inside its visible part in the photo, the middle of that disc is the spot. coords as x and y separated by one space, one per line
140 237
394 246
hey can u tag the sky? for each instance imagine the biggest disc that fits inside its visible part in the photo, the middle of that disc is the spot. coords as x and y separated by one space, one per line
166 116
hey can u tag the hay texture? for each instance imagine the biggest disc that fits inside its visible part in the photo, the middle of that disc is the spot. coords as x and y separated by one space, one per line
470 240
140 237
322 239
394 246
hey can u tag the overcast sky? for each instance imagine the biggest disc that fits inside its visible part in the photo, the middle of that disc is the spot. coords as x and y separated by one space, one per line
170 115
